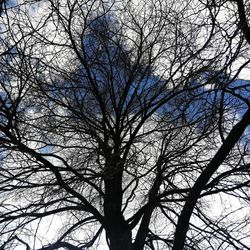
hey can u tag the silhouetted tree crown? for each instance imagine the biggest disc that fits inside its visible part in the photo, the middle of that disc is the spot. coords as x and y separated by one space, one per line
124 125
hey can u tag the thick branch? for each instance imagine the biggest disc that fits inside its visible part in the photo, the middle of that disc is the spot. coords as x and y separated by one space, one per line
229 143
58 245
243 23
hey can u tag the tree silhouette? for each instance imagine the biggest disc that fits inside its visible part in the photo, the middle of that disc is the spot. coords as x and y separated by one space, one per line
125 120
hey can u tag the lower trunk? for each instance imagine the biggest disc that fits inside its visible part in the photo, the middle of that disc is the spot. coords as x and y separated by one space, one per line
118 233
120 240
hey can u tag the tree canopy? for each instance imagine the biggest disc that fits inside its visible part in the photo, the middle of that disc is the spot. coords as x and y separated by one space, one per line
124 124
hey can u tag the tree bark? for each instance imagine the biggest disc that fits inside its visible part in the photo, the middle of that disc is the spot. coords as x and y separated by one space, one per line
118 233
183 221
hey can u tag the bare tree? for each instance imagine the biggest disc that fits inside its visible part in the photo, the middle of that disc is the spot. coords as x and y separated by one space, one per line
125 120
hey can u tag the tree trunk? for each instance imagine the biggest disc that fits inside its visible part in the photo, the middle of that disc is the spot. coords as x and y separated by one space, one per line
119 239
118 233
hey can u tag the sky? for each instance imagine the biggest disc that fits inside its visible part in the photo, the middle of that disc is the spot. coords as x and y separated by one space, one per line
217 209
